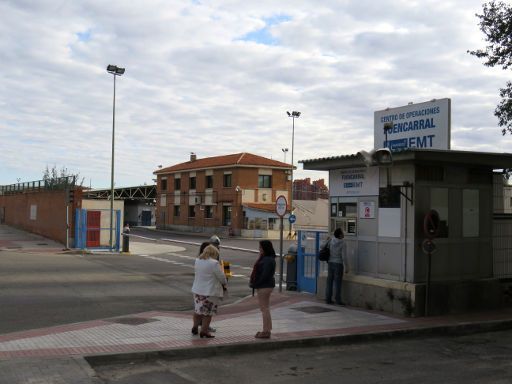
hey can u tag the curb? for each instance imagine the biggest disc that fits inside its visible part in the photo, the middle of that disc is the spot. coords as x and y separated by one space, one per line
268 345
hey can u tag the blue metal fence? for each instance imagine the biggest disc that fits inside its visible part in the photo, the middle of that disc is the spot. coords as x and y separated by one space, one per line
308 265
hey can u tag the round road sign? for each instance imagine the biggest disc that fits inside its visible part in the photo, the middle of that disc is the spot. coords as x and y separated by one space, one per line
292 218
428 246
281 205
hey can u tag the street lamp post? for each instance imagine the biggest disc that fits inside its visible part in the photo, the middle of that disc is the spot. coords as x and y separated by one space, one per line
116 71
294 115
284 151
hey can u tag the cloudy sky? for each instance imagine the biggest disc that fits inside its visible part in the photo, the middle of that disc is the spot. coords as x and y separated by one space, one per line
217 77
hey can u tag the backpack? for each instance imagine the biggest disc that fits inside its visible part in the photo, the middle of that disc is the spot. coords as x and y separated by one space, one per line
324 253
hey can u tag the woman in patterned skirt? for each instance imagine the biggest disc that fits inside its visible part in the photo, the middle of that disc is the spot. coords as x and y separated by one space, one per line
208 288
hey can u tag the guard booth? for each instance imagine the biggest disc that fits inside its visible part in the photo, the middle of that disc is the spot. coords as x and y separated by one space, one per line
381 210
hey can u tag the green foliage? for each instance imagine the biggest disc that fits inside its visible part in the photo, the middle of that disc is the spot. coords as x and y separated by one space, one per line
496 25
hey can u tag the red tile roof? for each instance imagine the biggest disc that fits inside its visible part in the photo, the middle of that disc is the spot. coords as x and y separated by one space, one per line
243 159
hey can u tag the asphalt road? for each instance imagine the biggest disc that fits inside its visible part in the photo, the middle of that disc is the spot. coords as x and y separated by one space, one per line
43 289
480 358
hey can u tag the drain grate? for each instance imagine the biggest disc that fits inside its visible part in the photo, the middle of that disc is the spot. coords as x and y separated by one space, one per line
314 309
132 320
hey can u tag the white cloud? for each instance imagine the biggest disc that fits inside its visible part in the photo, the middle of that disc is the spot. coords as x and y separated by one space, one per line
217 78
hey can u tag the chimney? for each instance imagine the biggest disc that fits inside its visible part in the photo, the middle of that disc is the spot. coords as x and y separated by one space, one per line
193 156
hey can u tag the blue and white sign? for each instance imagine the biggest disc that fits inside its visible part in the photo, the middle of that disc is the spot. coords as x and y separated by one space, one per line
424 125
354 182
292 219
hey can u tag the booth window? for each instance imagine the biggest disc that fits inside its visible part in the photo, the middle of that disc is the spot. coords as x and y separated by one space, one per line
334 209
389 197
439 202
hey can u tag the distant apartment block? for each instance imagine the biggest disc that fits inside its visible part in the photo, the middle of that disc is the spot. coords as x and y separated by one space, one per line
304 189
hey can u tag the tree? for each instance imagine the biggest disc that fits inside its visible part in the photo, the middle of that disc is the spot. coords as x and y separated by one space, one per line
55 178
496 24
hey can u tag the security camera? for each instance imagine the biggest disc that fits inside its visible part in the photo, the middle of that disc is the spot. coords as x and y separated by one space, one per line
380 156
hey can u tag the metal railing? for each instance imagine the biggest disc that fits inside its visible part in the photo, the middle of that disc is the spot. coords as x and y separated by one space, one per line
63 183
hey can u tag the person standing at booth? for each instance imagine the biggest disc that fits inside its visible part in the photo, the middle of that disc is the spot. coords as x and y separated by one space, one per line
336 267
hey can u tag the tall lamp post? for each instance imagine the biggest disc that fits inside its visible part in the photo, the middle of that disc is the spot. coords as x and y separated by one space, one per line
116 71
284 151
294 115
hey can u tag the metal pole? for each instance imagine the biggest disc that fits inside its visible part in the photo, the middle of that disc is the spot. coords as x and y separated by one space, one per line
291 197
427 293
281 227
67 225
112 167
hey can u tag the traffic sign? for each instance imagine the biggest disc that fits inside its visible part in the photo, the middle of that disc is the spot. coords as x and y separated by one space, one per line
428 246
281 205
431 224
292 218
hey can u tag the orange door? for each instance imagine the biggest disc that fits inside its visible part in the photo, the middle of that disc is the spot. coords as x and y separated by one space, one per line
93 228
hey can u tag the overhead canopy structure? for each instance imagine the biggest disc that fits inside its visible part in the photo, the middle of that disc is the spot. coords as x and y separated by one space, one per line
144 192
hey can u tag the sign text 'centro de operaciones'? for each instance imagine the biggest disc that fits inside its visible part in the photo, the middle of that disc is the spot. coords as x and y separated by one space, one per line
424 125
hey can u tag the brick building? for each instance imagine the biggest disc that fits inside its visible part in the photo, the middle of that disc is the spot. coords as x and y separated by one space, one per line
231 194
304 189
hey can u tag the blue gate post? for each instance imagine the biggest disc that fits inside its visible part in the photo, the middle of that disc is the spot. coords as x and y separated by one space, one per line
118 229
300 261
80 228
78 243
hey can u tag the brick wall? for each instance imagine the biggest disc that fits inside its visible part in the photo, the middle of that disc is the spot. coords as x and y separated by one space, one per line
41 212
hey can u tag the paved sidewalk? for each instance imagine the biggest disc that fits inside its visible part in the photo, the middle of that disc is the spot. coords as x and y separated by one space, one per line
15 239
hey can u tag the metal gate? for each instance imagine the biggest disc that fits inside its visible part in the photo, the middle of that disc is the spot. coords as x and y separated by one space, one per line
502 246
92 232
308 265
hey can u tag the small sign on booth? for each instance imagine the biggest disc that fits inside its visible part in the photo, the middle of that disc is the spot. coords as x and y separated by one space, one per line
367 210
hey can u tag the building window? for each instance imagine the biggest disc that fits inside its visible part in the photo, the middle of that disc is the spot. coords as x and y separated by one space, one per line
191 211
226 215
227 180
177 184
192 182
177 211
209 181
208 212
264 181
163 185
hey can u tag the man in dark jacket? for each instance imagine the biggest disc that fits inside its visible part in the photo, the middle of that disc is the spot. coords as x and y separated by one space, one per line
336 267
